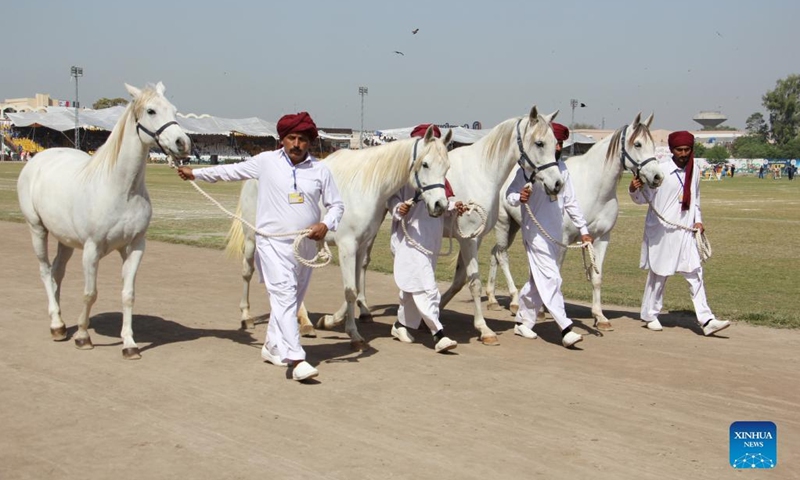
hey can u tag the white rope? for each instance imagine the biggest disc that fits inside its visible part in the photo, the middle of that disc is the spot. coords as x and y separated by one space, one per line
323 256
703 245
471 207
586 246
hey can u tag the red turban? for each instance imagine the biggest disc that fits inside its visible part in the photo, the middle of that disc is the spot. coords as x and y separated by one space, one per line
419 130
298 123
684 139
561 132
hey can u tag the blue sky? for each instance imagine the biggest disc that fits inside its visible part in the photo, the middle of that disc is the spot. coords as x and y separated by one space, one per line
470 60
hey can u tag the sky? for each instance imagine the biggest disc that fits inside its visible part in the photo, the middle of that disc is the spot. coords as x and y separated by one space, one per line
484 61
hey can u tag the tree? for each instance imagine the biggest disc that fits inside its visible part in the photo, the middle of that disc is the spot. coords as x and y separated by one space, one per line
783 105
717 154
700 150
584 126
719 128
109 102
757 126
752 146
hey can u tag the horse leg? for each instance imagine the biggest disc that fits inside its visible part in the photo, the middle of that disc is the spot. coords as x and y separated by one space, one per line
131 258
491 301
91 259
348 249
513 291
306 327
365 315
600 248
459 280
470 256
58 331
248 267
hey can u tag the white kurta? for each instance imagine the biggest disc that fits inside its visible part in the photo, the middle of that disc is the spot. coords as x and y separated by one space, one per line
544 285
667 249
277 212
414 270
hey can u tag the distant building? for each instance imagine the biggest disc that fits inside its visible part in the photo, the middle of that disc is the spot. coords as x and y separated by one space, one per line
710 119
39 103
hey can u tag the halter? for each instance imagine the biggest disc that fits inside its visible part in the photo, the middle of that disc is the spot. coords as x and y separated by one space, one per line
637 166
524 158
420 189
157 133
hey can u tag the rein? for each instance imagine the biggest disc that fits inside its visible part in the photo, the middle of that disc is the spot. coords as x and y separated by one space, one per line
154 135
471 207
701 241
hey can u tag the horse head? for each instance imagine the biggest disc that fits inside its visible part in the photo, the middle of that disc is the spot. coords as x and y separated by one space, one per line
429 165
638 151
156 123
537 145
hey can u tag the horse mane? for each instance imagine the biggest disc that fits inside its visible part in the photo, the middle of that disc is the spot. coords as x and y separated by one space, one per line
503 137
614 146
373 169
106 156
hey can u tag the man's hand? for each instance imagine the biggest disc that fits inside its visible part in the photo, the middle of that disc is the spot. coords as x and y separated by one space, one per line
587 239
636 184
699 227
318 231
461 208
185 173
525 194
403 209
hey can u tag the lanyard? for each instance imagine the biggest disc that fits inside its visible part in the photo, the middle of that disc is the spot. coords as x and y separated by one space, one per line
678 176
294 169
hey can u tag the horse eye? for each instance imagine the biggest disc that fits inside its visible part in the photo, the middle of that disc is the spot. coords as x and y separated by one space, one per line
150 111
424 164
539 143
638 144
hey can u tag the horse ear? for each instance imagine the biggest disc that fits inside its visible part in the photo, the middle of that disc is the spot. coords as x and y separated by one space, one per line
429 133
534 115
160 88
637 120
551 117
648 120
135 92
448 137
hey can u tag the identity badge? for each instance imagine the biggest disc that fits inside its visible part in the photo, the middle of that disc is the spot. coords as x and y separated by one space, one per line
296 197
753 445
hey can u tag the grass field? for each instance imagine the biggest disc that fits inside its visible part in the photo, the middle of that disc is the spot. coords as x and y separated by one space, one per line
753 226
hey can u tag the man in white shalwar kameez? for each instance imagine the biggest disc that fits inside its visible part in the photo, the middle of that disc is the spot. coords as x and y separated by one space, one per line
543 288
291 185
667 249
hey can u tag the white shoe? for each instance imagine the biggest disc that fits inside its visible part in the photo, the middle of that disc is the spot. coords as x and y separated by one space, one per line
444 345
304 371
402 334
715 326
571 338
654 325
273 359
523 331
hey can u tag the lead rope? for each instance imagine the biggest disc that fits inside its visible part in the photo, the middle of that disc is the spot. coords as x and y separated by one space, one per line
471 207
321 259
586 247
703 245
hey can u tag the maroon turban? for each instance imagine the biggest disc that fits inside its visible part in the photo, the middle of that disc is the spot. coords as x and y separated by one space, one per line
298 123
684 139
419 130
561 132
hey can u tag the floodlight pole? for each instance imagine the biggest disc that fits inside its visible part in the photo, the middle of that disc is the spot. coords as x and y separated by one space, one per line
76 72
362 91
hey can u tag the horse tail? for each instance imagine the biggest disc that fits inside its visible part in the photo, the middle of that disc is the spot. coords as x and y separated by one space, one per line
235 247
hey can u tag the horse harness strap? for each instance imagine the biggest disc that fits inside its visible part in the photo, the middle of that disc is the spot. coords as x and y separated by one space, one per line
420 188
637 166
524 158
157 132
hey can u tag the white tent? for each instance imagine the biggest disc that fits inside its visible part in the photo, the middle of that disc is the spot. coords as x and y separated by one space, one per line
469 136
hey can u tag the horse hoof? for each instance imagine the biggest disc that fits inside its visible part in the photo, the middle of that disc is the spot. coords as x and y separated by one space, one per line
325 323
248 324
604 326
59 334
490 340
366 318
131 353
494 306
359 345
308 331
514 307
84 343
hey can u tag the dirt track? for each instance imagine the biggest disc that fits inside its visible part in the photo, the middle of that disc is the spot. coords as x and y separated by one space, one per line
201 404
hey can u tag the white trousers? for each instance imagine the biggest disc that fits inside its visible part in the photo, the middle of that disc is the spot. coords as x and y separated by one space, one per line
287 283
418 306
541 291
653 298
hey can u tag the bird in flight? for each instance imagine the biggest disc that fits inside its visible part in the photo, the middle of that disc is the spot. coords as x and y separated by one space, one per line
399 53
414 32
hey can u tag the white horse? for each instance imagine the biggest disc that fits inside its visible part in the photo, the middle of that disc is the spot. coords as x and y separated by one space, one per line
595 176
366 179
100 204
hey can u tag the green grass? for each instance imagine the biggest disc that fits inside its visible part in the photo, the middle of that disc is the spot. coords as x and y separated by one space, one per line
752 224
